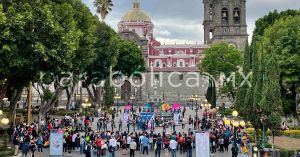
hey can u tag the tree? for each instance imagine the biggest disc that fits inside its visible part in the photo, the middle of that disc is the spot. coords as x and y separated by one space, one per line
271 97
103 7
37 36
130 59
220 61
239 103
282 39
107 51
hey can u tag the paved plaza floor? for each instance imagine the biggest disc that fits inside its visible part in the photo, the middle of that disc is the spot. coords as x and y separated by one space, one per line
139 154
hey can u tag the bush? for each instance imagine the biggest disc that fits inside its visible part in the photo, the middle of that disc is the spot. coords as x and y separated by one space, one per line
294 127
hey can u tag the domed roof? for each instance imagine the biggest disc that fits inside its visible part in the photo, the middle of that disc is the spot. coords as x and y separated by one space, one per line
136 15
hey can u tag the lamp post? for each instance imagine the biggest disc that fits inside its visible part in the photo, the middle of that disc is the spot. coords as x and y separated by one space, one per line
206 106
117 97
196 98
3 119
235 122
132 98
192 100
5 99
263 119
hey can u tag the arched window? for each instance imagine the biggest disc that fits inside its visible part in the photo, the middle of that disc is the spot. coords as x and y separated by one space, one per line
224 15
236 15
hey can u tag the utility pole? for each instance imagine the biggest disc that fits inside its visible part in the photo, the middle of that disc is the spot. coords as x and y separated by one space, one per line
29 102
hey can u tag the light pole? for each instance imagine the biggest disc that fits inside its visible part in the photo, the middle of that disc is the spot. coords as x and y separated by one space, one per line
132 98
5 99
191 99
117 97
196 98
206 106
235 122
263 119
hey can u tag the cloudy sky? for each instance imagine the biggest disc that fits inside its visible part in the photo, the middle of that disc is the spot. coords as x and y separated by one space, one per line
181 20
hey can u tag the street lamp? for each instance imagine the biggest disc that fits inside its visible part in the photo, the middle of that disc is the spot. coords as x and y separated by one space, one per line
117 97
4 102
235 122
192 100
86 105
263 118
206 106
4 120
132 98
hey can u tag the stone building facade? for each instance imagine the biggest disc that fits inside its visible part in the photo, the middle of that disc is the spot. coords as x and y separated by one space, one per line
225 20
171 72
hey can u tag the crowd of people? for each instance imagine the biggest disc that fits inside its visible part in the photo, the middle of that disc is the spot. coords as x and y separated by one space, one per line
107 138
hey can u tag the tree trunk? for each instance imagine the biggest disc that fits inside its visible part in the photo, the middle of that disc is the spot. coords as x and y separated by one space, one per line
13 103
69 95
97 94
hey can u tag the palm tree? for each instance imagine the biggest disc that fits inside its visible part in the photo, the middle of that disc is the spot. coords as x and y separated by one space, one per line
103 7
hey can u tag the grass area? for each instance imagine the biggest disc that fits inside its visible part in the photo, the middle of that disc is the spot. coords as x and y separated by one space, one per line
6 152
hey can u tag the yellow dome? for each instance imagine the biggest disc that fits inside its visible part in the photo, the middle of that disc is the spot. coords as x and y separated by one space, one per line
135 15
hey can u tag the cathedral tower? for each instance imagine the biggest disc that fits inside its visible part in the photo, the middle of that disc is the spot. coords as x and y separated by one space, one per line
225 20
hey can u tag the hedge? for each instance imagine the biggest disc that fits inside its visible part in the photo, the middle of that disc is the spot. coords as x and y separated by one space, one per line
289 133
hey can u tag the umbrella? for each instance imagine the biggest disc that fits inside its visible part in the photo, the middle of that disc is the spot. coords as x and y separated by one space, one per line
128 106
176 106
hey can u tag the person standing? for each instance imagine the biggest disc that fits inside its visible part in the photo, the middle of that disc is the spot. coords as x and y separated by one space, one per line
25 148
16 144
158 146
120 125
39 143
189 147
173 146
88 150
145 143
82 143
112 123
132 147
113 145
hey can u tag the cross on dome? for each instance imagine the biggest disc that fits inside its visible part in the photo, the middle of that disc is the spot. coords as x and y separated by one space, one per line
136 4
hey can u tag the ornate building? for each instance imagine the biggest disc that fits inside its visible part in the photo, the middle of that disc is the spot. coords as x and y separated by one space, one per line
172 69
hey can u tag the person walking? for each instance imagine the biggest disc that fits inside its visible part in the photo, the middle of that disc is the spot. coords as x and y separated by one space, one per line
132 147
173 146
145 143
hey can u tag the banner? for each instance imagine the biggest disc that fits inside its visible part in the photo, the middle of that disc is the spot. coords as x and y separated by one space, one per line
176 118
126 117
146 116
56 142
202 144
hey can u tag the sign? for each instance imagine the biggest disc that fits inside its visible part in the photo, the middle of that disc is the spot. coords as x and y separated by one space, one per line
202 144
146 116
56 142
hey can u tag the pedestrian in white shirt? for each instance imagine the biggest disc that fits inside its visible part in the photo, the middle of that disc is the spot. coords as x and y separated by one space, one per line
113 144
173 146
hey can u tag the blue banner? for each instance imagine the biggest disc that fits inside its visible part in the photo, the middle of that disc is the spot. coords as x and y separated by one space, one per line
145 116
56 142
